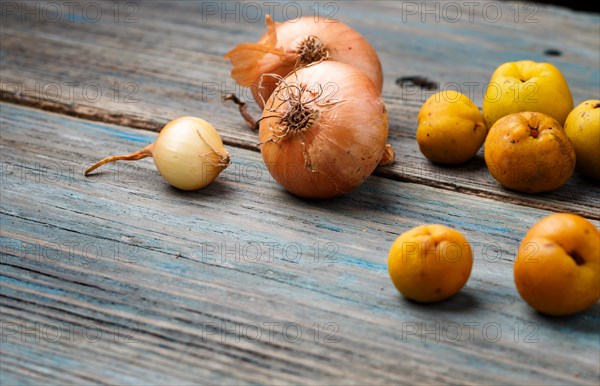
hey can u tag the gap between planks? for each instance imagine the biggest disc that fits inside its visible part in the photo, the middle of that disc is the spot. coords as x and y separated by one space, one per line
137 122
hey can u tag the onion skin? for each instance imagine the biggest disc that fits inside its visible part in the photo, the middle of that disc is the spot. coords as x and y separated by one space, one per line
343 145
276 52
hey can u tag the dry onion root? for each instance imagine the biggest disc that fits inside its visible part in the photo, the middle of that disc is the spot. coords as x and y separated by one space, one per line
188 153
324 130
296 43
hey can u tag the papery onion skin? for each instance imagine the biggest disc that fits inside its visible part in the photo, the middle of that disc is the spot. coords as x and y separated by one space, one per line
343 145
189 153
276 53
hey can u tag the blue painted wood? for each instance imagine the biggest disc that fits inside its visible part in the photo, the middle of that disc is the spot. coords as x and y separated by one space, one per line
168 61
143 281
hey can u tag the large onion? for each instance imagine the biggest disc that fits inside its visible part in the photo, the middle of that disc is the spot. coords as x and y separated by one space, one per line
324 130
295 43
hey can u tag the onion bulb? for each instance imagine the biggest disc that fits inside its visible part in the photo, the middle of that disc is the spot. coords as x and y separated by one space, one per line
324 130
296 43
188 153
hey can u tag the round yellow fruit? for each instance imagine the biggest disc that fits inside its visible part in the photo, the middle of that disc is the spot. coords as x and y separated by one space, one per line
583 128
529 152
557 269
430 263
527 86
451 128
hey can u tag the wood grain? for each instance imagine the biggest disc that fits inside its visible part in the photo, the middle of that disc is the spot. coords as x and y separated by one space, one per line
148 278
145 65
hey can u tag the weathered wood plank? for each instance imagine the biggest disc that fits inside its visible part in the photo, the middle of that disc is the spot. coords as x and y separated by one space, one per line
157 60
142 280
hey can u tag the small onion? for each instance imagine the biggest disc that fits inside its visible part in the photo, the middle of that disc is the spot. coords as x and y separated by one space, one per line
296 43
188 153
324 130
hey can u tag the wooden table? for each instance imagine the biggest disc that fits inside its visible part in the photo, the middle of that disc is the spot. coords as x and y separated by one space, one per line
121 279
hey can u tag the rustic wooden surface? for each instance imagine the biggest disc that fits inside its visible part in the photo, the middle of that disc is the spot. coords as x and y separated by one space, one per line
161 61
166 284
121 279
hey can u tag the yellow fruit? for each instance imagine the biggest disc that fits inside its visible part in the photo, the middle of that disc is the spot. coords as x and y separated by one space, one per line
529 152
557 269
451 128
583 128
527 86
430 263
